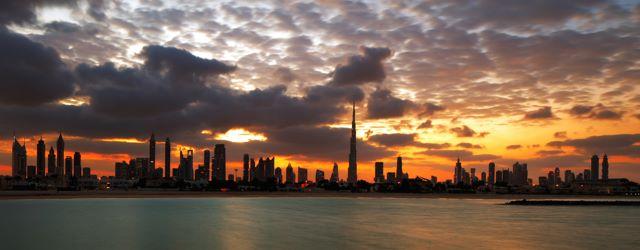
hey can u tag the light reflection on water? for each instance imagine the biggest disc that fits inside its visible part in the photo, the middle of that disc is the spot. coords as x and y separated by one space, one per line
315 223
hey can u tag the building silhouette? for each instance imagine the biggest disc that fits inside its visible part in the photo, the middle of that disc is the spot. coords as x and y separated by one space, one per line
269 167
303 175
492 174
352 174
379 172
291 176
335 176
278 175
595 168
219 162
51 162
399 173
60 154
260 170
253 172
77 165
605 168
68 167
457 176
40 158
167 158
152 152
319 175
18 159
245 167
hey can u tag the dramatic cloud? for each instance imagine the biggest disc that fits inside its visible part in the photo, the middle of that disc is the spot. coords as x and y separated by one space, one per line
428 124
383 105
362 68
542 113
619 144
599 112
468 145
466 131
431 108
560 135
31 73
393 140
23 11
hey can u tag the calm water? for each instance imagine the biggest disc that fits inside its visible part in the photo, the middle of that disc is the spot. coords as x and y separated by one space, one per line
315 223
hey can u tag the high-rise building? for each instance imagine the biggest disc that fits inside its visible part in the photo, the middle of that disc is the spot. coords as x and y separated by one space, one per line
269 167
551 178
245 167
260 170
595 167
605 168
291 177
520 175
457 176
40 158
399 173
302 175
569 177
278 175
219 162
587 175
122 170
31 172
253 172
492 173
207 163
167 158
352 175
152 152
18 159
335 176
68 167
86 172
379 174
319 175
556 173
51 163
483 177
189 165
77 165
391 177
60 154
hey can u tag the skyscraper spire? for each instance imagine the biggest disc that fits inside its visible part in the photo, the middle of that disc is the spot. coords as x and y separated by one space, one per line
352 176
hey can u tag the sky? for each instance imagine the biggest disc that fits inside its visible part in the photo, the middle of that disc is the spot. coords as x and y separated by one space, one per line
548 83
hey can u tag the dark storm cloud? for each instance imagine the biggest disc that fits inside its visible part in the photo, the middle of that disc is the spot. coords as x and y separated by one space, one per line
393 140
31 73
465 131
560 135
334 94
545 153
431 108
464 155
598 112
426 125
23 11
619 144
542 113
383 105
363 68
63 27
96 10
180 65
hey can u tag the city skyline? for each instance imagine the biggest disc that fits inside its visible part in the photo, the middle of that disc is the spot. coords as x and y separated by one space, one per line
549 86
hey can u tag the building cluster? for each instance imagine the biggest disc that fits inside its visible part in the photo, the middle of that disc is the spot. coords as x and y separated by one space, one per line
53 171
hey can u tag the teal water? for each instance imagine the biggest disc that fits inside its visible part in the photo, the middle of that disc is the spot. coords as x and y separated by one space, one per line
314 223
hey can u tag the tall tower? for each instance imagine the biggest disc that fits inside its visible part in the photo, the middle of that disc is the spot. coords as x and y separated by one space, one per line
457 176
77 165
167 158
18 159
595 165
605 168
492 174
219 162
152 152
245 167
51 163
60 154
335 177
352 175
399 173
40 159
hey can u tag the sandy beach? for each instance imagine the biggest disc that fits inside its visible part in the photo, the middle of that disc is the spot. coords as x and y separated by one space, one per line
141 194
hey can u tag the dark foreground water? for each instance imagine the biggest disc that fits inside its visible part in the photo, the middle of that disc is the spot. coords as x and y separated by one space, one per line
314 223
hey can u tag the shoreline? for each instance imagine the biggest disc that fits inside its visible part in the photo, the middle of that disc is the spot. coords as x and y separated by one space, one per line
143 194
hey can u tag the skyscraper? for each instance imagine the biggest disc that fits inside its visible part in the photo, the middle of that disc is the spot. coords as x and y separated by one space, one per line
253 172
379 174
245 167
302 175
595 165
319 175
492 174
352 175
189 166
291 177
219 162
457 176
40 158
77 165
68 167
269 167
207 163
278 175
335 176
167 158
18 159
51 162
152 152
605 168
60 154
399 173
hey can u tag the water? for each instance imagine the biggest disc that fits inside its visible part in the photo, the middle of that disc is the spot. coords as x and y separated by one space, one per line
314 223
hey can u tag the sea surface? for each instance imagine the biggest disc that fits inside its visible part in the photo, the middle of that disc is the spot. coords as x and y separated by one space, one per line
311 223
